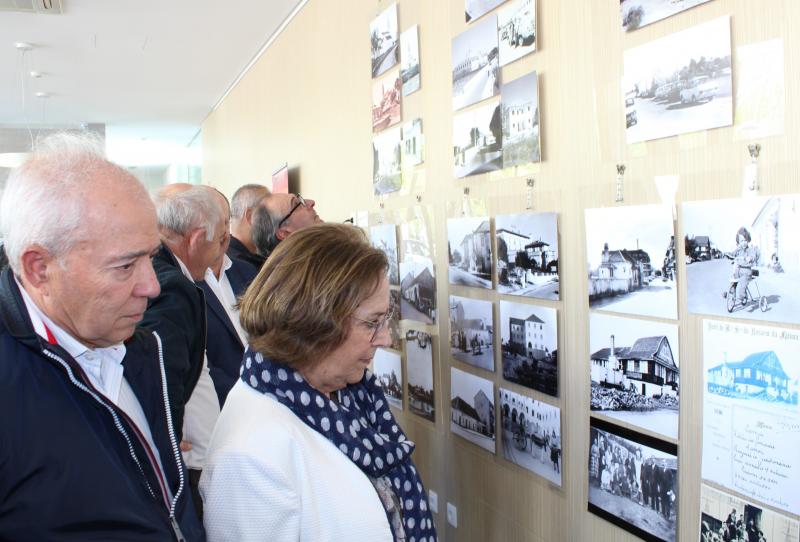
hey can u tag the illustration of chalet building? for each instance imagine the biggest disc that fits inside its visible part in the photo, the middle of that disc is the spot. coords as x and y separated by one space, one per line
646 368
527 337
419 291
476 251
759 373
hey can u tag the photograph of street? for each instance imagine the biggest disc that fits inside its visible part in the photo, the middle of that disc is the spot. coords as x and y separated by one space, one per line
638 13
727 518
529 346
743 257
413 143
386 101
472 332
630 255
419 356
633 481
383 38
418 290
384 237
478 140
473 9
680 83
386 162
409 60
472 408
531 432
469 251
527 255
520 100
476 68
635 372
516 30
387 367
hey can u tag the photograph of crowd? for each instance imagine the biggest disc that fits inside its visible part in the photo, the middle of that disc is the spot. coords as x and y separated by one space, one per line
472 408
727 518
633 481
478 140
680 83
531 432
472 332
418 290
529 346
520 101
527 255
409 60
386 162
384 237
413 143
386 101
630 252
387 367
475 63
469 251
419 364
474 9
516 30
638 13
383 38
743 257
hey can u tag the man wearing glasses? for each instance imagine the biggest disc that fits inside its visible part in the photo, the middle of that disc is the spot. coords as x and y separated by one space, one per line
278 216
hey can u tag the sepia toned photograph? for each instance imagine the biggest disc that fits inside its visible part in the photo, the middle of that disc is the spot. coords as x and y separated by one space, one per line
531 432
472 332
387 367
516 30
633 481
635 372
527 255
472 408
727 518
394 321
520 101
630 255
469 250
384 237
474 9
419 356
386 101
409 60
418 290
478 140
383 38
743 257
638 13
476 67
386 162
413 143
679 84
529 346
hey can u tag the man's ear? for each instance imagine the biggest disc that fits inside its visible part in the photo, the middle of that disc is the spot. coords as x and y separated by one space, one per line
282 233
35 262
248 215
195 239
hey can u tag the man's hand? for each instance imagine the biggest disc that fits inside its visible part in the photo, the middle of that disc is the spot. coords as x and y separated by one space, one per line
186 446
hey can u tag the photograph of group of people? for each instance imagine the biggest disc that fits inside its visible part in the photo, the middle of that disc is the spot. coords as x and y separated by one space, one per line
727 518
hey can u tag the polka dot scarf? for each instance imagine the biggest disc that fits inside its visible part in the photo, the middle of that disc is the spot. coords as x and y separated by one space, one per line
363 428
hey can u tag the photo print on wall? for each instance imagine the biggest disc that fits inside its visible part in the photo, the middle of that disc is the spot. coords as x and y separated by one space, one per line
413 143
478 140
386 162
516 30
529 346
473 9
531 432
409 60
633 481
384 238
726 518
414 238
387 367
419 356
520 101
527 255
638 13
383 39
635 372
418 290
472 332
386 101
743 257
469 250
476 68
472 408
630 254
394 321
679 84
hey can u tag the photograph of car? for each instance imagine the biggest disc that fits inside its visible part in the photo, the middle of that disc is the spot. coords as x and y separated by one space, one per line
699 89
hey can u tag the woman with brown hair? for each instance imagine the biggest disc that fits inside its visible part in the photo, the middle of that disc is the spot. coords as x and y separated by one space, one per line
306 448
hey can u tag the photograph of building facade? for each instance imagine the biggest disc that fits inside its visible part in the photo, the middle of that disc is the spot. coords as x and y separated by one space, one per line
478 140
472 408
527 255
472 332
386 162
419 356
418 290
520 101
469 247
413 143
529 346
388 370
384 237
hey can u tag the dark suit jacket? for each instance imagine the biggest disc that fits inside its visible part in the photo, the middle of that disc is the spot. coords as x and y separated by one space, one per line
224 348
237 251
178 314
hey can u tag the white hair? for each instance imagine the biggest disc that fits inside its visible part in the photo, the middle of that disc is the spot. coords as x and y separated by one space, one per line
246 197
45 200
181 211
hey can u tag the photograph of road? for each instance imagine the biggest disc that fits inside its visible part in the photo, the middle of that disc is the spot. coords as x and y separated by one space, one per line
516 30
472 332
638 13
476 68
383 38
474 9
472 408
386 101
469 250
388 369
529 346
527 255
419 355
386 162
409 60
680 83
478 140
520 99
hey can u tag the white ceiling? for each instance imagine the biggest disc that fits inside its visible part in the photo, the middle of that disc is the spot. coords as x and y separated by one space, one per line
148 69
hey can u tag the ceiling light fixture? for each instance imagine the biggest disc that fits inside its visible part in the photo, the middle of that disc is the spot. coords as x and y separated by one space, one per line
23 46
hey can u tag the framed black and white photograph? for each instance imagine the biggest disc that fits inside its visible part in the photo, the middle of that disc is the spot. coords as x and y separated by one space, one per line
680 83
727 518
638 13
383 38
743 257
478 140
476 67
520 99
419 356
394 321
531 432
386 101
469 249
527 255
472 332
415 237
388 370
516 30
418 290
386 162
384 237
635 372
630 255
413 143
633 481
472 408
409 60
474 9
529 346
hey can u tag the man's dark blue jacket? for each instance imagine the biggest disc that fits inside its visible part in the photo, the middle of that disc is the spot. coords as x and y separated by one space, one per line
72 465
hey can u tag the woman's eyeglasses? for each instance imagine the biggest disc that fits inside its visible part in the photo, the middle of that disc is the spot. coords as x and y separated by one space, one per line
378 324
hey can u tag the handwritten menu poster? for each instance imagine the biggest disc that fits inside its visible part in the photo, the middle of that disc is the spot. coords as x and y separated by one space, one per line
751 419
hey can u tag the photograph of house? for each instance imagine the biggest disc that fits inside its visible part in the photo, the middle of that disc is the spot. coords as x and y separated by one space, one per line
520 102
419 356
383 39
475 63
472 332
418 290
388 370
413 143
638 13
386 101
409 60
472 408
516 30
415 235
384 237
386 162
527 255
469 249
478 140
529 346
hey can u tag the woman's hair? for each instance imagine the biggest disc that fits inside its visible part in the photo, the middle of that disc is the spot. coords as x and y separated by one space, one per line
299 306
744 233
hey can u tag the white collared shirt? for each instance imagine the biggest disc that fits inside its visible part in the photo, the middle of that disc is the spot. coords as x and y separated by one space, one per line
224 291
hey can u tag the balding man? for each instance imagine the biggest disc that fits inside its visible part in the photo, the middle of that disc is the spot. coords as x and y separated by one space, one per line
86 441
244 203
278 216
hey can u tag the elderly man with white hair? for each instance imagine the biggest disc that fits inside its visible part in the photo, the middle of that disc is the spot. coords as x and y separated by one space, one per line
87 445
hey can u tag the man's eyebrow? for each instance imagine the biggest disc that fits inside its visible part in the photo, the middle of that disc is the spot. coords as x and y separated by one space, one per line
132 255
